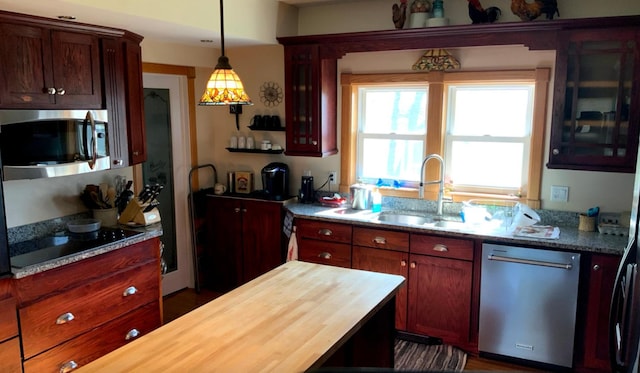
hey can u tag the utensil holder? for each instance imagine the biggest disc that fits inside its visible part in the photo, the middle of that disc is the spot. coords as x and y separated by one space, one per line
108 217
587 223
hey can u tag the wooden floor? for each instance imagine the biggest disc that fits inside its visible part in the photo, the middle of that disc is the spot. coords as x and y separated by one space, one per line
181 302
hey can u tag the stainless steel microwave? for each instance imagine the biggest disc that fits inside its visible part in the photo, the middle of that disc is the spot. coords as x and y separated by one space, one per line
48 143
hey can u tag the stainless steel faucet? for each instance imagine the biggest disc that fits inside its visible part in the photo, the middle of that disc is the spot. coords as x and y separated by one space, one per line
441 181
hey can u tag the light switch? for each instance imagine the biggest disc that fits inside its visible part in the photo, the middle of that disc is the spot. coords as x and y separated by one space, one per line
559 193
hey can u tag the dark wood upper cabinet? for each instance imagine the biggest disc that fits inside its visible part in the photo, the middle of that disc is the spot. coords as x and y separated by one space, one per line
595 113
123 93
46 69
311 90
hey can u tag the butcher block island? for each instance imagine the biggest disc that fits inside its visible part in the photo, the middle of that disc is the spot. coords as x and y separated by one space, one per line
297 317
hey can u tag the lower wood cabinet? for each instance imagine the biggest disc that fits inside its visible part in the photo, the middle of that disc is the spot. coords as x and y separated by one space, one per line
10 360
244 240
599 274
441 288
323 242
387 252
76 313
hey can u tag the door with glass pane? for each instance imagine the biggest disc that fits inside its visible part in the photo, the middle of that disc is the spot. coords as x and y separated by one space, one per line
165 103
593 127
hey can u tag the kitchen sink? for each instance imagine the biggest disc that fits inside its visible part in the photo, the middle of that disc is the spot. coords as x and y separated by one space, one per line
404 219
450 224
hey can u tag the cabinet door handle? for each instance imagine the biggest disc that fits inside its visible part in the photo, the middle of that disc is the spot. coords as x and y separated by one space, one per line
244 210
596 267
236 210
68 366
324 255
314 142
379 240
50 91
60 91
129 291
555 151
441 248
325 232
412 265
65 318
403 263
133 333
136 153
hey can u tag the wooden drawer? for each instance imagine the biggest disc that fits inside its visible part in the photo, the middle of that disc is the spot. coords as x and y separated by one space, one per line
381 239
30 289
8 319
331 253
98 342
321 230
445 247
91 304
10 359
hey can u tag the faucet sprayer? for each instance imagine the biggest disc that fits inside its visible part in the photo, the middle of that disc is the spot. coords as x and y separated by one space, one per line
441 181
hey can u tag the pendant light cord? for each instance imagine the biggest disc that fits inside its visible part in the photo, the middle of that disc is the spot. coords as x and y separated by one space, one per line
222 26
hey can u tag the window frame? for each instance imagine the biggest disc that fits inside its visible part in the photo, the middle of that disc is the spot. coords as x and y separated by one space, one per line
436 117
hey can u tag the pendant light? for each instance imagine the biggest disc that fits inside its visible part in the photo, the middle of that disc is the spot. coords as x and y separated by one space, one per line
224 86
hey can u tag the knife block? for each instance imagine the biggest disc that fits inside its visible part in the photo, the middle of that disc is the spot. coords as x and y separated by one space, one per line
134 212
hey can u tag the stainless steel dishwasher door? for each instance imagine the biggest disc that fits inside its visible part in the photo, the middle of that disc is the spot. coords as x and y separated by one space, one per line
528 303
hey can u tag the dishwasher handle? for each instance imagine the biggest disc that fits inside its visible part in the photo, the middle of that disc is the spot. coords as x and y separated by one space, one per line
567 266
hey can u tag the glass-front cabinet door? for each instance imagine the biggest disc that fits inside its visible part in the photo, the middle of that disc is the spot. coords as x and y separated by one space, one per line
310 91
595 124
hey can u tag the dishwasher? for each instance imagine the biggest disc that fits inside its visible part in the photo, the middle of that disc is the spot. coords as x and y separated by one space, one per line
528 301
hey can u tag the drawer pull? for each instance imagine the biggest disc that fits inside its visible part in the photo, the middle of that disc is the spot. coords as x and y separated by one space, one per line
236 210
403 263
324 255
441 248
129 291
325 232
65 318
380 240
596 267
68 366
413 265
133 333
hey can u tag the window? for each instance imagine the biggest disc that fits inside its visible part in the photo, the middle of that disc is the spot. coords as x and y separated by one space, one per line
391 133
473 119
488 135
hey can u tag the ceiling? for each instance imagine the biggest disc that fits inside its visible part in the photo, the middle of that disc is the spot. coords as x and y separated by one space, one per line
184 21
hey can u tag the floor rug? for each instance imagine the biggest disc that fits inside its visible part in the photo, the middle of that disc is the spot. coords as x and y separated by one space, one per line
418 357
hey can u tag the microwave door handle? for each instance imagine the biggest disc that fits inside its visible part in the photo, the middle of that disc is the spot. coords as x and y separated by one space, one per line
85 139
94 142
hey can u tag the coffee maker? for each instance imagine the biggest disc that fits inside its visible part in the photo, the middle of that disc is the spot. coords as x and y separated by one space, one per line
307 193
275 181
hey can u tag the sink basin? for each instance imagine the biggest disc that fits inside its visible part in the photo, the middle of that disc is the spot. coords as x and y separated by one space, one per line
404 219
450 224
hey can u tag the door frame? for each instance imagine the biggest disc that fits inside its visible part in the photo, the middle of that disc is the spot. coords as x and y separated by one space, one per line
173 284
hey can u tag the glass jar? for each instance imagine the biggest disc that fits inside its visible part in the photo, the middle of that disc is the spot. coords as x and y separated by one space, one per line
438 9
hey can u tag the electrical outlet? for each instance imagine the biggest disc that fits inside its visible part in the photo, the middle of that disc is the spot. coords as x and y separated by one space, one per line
333 177
559 193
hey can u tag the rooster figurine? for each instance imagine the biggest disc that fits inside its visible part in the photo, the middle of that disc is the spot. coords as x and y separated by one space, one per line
530 11
399 14
480 15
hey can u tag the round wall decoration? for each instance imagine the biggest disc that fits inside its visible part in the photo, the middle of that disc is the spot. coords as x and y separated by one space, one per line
271 94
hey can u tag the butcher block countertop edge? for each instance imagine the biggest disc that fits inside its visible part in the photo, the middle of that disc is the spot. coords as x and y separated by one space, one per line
290 319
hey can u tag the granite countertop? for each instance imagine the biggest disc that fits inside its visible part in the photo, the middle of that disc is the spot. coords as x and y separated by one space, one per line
570 237
151 231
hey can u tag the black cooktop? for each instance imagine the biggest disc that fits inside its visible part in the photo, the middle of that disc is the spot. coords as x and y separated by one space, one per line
63 244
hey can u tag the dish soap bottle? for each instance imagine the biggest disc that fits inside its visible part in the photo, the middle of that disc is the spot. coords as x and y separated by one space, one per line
376 201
